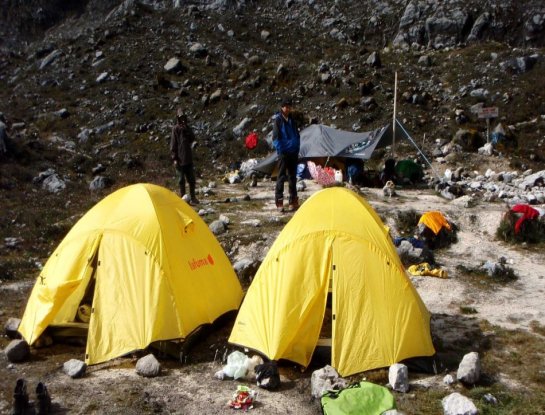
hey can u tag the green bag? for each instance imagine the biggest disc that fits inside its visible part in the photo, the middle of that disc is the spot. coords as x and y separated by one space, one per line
362 398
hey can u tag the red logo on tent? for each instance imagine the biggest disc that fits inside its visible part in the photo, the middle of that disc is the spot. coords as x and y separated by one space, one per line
201 262
251 141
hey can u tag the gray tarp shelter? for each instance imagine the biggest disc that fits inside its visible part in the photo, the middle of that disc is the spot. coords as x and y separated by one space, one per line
318 140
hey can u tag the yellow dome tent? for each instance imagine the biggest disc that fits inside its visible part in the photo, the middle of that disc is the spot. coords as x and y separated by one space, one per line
334 240
148 266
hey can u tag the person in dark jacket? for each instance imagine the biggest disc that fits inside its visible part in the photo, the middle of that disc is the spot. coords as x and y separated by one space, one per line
286 141
181 149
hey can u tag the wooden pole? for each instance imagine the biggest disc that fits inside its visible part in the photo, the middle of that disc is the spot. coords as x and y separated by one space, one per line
394 119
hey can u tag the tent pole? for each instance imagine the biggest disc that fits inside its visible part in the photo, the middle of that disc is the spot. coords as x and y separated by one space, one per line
420 151
394 119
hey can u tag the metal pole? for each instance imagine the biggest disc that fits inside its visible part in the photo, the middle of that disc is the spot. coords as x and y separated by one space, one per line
488 130
394 119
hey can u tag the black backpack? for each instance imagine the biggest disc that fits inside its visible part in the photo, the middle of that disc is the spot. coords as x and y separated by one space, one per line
267 375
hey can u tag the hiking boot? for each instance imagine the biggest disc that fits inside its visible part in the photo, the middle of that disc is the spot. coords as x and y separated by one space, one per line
254 181
20 398
194 201
43 399
294 205
280 205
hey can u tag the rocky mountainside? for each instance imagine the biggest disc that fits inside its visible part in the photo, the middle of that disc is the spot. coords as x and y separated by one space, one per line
89 90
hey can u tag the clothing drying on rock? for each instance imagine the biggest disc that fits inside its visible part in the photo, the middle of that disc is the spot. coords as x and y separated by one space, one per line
435 221
528 213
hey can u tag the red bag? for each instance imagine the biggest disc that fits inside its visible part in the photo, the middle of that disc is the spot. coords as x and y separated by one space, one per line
251 141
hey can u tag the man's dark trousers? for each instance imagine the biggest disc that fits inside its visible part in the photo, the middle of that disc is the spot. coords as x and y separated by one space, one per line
287 168
187 172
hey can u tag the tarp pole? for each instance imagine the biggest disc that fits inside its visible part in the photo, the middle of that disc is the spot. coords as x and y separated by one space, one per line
418 148
394 119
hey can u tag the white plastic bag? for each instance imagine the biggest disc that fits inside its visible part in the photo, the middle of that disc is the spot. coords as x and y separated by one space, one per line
237 365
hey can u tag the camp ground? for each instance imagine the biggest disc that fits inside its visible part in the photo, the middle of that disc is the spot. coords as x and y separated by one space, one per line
334 243
139 267
331 146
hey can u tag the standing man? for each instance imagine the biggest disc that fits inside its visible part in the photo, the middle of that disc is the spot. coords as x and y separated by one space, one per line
286 141
181 145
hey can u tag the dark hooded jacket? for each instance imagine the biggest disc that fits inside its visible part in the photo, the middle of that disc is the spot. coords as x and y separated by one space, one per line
180 144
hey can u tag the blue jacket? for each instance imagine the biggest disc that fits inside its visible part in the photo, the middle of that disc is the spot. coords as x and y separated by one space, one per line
285 137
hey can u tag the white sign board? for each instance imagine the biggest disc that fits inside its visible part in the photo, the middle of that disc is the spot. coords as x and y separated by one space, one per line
488 112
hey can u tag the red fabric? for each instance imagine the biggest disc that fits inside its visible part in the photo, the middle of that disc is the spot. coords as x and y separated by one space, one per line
322 175
527 211
251 141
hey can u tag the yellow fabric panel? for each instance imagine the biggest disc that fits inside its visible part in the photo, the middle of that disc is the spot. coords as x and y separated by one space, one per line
375 306
283 311
55 294
167 273
435 221
127 319
379 317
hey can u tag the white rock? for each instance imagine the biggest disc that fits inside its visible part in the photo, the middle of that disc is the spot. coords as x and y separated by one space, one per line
448 379
398 376
102 77
148 366
241 126
325 379
172 65
456 404
469 369
74 368
53 184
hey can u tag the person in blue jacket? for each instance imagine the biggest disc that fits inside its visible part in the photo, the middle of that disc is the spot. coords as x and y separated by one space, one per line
286 141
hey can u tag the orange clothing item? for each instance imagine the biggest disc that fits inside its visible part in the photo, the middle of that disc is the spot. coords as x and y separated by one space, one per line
435 221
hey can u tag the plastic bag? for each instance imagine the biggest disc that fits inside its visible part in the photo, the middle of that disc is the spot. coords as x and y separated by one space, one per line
237 365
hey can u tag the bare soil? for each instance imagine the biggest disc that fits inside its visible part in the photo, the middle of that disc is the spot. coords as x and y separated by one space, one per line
191 387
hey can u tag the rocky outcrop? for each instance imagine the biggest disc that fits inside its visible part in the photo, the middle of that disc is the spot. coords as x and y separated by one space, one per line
421 23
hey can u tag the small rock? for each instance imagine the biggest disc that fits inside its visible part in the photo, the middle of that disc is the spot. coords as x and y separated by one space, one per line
217 227
469 370
256 223
173 65
448 379
17 351
456 404
102 77
99 183
491 399
325 379
148 366
398 376
74 368
11 326
53 184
